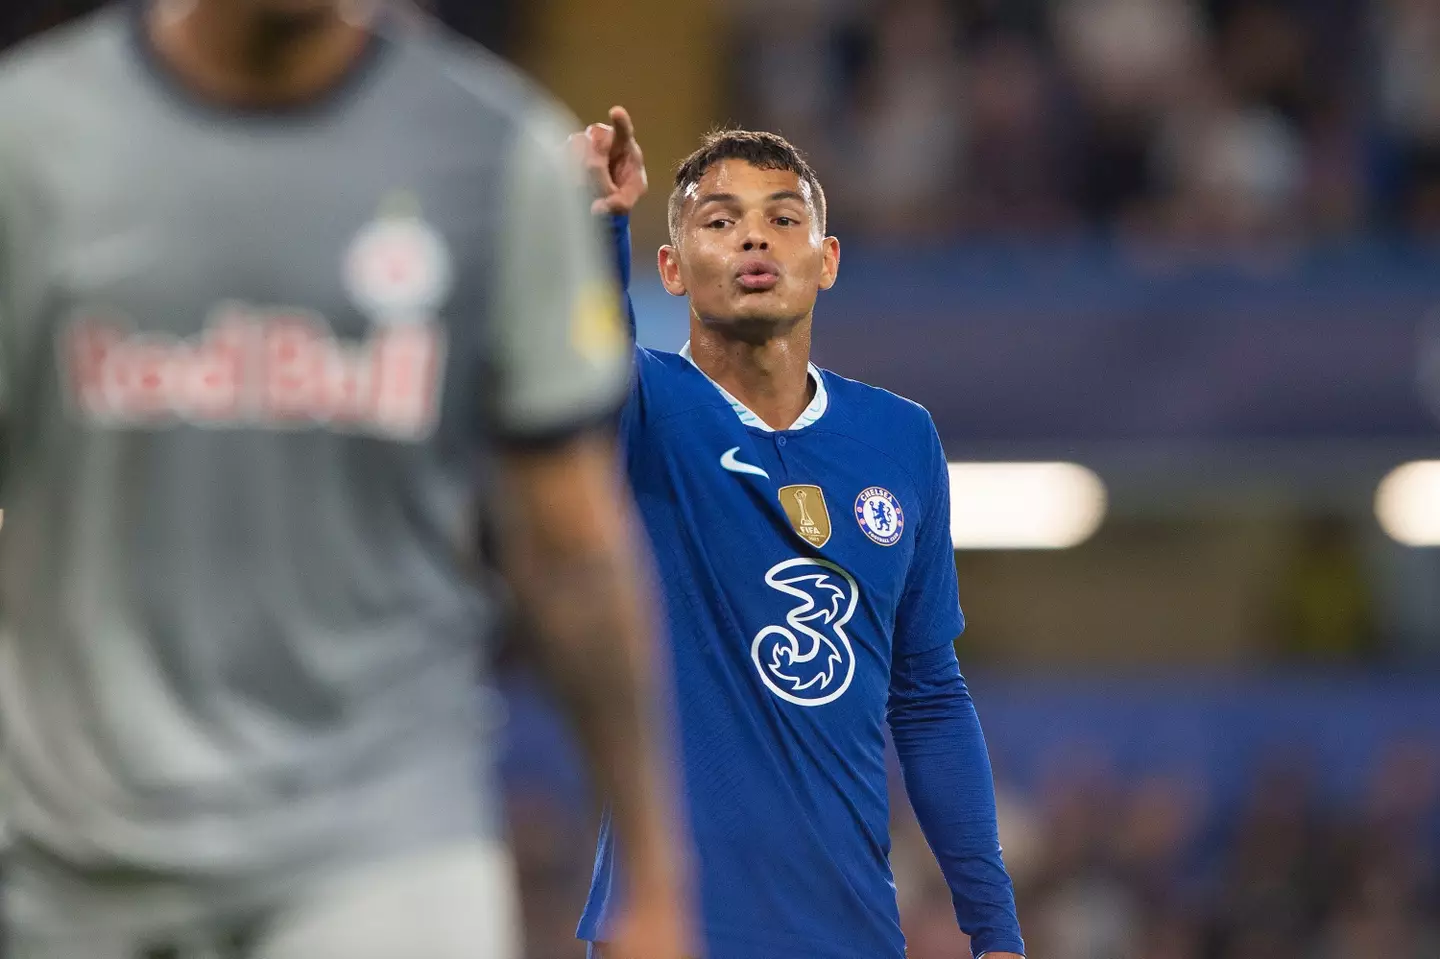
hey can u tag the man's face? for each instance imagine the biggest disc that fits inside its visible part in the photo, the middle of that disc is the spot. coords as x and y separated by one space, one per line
751 255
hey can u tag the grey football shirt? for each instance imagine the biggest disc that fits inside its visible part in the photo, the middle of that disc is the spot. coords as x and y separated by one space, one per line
252 366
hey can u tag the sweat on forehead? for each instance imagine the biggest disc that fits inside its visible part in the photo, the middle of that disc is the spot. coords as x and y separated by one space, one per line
692 189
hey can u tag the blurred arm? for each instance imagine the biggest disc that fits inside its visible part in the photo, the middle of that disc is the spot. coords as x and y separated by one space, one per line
567 533
571 550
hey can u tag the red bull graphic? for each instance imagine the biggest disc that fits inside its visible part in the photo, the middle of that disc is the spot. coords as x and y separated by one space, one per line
259 368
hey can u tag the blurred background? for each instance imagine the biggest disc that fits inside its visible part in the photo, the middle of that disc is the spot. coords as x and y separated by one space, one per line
1167 275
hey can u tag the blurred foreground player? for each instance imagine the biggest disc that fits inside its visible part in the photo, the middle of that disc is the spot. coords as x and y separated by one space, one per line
803 521
277 286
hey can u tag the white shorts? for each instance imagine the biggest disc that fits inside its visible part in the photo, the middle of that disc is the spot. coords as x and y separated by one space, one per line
455 903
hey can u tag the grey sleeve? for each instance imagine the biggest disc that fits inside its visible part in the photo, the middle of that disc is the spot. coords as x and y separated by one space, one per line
562 356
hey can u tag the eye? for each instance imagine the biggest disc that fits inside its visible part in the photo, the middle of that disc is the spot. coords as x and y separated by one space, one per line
786 221
719 223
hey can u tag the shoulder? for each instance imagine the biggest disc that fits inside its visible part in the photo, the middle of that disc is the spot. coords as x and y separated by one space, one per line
682 382
661 361
902 424
667 384
52 89
485 84
38 74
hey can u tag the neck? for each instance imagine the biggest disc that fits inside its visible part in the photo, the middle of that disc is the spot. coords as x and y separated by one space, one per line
771 377
241 54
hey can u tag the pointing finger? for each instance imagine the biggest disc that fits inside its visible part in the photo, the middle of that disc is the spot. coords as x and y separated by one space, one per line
624 131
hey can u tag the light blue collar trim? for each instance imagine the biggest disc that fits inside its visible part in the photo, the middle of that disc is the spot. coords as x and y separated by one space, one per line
812 413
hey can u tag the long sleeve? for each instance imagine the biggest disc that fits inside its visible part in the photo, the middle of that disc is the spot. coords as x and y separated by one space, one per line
620 244
937 732
633 414
947 775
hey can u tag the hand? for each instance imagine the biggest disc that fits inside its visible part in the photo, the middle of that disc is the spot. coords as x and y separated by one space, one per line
614 163
653 927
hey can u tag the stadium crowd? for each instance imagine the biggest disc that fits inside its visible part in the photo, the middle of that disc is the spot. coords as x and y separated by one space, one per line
1116 868
1188 121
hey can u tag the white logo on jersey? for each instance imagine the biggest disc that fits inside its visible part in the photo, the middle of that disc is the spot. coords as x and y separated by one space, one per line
398 270
798 662
729 462
281 368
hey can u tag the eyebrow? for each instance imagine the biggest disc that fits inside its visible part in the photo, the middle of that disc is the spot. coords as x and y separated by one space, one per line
788 195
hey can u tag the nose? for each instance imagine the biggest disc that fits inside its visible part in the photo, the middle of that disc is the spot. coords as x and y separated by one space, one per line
754 236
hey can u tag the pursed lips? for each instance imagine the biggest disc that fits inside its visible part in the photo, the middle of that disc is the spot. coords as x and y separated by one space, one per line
758 274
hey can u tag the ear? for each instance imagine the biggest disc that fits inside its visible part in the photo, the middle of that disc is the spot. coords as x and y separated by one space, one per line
669 263
830 248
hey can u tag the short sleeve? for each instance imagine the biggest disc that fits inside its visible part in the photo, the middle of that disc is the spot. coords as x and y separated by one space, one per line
929 615
561 355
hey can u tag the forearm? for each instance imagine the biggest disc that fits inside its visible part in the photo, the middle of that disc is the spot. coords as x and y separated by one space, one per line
592 652
585 600
948 777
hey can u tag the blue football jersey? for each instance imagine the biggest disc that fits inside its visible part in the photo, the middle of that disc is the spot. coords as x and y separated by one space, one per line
796 565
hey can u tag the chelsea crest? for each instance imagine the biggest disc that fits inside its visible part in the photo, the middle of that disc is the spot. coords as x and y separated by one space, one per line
879 514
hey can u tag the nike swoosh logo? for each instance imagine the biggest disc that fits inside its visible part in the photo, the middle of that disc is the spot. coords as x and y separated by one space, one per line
729 462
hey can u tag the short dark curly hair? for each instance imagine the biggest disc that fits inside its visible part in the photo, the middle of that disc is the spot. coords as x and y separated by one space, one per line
768 151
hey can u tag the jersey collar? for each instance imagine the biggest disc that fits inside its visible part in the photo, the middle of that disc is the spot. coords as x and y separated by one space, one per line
813 412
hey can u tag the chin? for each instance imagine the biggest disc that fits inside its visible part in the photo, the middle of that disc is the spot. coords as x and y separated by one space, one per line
752 327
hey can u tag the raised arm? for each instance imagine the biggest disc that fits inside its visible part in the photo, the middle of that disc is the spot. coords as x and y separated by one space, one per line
615 165
938 737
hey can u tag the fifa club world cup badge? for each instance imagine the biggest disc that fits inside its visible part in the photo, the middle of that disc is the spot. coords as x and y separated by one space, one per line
805 506
879 514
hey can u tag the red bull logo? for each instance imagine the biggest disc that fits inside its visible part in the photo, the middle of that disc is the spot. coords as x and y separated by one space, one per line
268 369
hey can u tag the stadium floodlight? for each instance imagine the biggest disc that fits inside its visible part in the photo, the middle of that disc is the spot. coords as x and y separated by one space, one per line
1407 503
1024 505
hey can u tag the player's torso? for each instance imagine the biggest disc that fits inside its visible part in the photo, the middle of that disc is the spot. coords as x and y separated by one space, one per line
802 545
248 335
784 556
806 526
245 367
292 272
